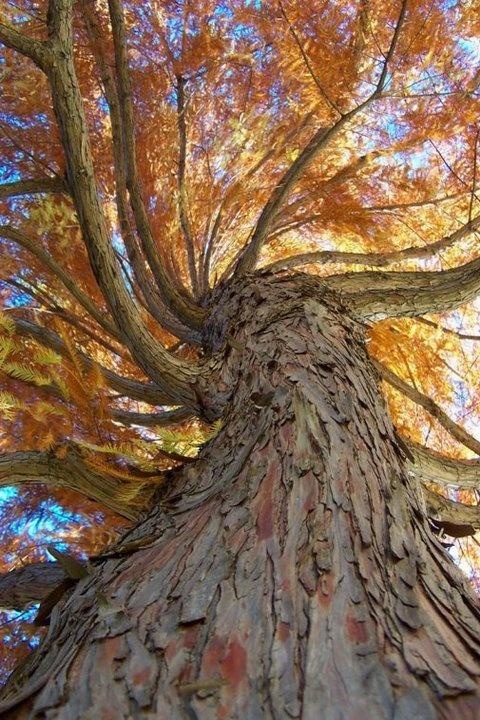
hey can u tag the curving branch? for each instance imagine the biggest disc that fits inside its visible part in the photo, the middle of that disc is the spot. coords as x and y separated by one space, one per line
454 518
377 295
33 186
47 302
126 387
151 297
319 141
432 467
179 304
72 472
134 389
375 258
172 375
36 50
455 430
11 233
161 419
182 190
29 584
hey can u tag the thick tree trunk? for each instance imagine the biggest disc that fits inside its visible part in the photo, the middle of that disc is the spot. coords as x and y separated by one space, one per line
289 573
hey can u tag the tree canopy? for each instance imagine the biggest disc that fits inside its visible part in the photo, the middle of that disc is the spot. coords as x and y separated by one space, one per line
152 150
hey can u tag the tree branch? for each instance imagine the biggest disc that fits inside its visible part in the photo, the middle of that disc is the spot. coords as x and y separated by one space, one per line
182 191
47 302
187 311
151 296
32 186
162 419
174 376
432 467
375 258
454 518
29 584
205 268
320 140
134 389
32 466
126 387
449 331
378 295
307 62
455 430
36 50
11 233
414 203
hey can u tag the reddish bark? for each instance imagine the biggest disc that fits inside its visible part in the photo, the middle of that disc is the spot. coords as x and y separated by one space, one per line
292 573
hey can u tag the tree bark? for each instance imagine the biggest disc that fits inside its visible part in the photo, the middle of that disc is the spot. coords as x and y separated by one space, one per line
29 584
290 572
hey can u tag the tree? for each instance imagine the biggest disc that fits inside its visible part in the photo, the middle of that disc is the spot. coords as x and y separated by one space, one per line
168 168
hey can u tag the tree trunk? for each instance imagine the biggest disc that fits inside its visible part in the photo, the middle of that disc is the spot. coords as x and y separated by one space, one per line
290 572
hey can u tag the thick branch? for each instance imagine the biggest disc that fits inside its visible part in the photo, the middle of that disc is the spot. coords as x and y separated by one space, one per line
187 311
375 258
455 430
70 472
432 467
456 519
32 186
34 49
378 295
162 419
174 376
29 584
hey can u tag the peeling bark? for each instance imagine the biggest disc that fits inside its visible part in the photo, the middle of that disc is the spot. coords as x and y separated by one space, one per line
290 572
458 518
430 466
377 295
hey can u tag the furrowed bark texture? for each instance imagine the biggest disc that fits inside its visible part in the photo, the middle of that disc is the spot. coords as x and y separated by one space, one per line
290 572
